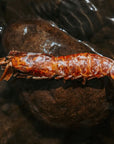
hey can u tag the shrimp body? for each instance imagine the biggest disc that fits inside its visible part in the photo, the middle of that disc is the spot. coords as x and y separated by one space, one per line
42 66
85 65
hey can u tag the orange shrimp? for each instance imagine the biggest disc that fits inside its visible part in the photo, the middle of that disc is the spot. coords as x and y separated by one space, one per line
42 66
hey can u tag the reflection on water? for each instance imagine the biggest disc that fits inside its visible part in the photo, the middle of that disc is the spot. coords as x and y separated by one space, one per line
111 19
91 5
25 31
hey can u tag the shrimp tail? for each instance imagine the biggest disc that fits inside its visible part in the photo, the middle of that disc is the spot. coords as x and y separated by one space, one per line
7 65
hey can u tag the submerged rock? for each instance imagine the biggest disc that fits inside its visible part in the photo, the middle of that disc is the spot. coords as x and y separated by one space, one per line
56 102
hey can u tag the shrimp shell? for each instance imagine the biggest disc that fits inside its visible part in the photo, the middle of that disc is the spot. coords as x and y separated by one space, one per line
43 66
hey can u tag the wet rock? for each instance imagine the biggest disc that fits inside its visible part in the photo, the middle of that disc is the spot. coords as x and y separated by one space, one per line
17 128
66 104
4 89
112 124
81 19
57 103
6 108
40 36
14 127
14 10
104 41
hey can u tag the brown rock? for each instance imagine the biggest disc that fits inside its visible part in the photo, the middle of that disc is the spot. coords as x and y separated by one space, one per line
40 36
57 103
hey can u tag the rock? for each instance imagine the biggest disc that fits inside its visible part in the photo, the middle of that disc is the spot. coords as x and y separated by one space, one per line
14 127
104 41
4 89
57 103
40 36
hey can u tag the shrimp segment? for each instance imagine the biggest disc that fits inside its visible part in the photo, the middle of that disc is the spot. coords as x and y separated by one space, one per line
43 66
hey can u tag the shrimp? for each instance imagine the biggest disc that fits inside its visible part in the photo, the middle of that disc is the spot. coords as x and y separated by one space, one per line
44 66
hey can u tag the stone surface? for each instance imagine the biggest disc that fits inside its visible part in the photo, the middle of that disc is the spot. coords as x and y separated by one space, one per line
19 120
40 36
56 102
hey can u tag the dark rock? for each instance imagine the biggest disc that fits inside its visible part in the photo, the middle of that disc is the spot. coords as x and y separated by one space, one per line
5 108
14 127
57 103
4 88
104 40
20 126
